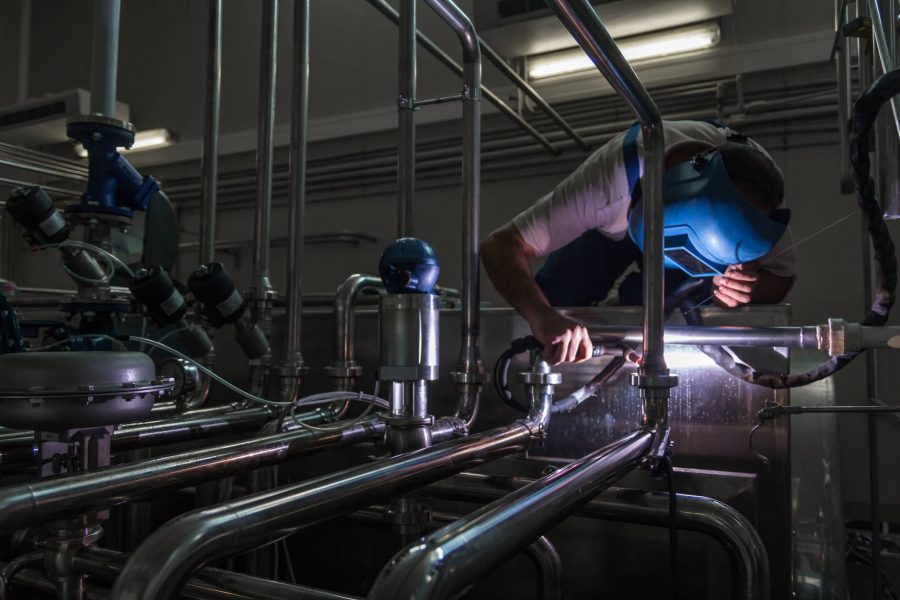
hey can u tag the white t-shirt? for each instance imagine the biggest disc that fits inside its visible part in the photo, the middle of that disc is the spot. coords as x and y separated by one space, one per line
596 196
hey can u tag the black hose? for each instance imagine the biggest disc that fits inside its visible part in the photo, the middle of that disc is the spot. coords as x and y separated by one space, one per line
865 110
14 566
501 370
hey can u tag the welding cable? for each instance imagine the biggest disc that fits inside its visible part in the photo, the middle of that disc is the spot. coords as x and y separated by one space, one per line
865 110
569 403
501 370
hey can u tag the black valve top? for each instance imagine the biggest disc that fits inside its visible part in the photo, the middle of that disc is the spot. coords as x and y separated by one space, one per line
212 285
33 209
156 290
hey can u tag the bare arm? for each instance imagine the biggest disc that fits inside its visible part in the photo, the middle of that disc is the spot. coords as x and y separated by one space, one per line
506 257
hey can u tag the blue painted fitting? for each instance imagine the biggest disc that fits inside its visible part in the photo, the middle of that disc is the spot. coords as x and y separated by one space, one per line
409 266
114 185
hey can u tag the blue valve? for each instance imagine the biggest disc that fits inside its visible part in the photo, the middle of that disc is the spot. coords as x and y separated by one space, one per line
409 266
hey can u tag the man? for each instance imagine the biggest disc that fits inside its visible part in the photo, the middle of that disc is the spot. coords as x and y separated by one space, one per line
722 193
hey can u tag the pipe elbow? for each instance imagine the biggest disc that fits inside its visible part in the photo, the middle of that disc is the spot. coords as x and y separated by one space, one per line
412 574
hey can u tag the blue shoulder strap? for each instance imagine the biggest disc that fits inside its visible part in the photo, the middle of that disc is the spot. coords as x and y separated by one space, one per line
630 155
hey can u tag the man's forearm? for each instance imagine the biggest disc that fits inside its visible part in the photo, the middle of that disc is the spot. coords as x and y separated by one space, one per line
507 265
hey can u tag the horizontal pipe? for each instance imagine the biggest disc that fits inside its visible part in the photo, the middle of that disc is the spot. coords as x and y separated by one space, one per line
207 584
36 580
724 524
56 497
788 337
174 551
443 563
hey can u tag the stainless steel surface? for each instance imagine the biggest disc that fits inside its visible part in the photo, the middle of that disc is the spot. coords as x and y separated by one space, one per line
36 502
443 563
406 121
209 161
548 565
409 337
36 580
292 365
782 337
160 566
583 23
387 10
262 229
711 412
724 524
105 56
884 18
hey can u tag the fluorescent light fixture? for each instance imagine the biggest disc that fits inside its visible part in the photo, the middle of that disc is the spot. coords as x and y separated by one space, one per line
148 139
635 49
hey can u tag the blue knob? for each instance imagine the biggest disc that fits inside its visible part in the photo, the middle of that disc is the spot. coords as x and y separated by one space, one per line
409 266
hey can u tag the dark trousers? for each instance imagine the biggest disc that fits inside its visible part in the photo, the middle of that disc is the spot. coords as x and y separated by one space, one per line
584 271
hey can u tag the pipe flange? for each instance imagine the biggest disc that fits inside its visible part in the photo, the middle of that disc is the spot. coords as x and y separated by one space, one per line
409 421
292 371
465 377
343 371
538 378
654 380
96 119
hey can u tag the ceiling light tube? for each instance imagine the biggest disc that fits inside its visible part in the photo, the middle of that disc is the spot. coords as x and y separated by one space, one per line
148 139
635 49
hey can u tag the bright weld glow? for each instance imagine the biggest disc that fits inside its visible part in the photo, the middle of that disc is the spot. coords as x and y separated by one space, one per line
687 359
645 47
143 140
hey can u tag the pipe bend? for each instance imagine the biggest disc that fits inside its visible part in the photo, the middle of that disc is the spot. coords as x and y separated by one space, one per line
344 303
461 24
173 553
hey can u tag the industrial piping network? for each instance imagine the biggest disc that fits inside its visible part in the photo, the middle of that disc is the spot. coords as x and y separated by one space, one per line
444 562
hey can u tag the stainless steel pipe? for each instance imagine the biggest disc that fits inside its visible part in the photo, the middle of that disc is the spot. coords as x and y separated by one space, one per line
105 57
51 498
443 563
174 551
207 584
844 93
292 365
262 231
387 10
737 536
778 337
469 375
406 121
653 378
209 161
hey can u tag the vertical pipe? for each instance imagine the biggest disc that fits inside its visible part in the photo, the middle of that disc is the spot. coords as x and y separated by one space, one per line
105 57
842 62
210 159
653 378
406 115
470 374
24 50
296 214
262 286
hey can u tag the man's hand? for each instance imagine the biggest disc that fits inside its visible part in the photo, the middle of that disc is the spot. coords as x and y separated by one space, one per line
564 340
736 286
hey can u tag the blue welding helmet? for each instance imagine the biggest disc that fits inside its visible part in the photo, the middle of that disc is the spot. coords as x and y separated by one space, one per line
707 223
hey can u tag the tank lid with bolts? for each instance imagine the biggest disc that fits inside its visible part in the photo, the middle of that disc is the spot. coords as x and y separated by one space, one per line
409 266
56 391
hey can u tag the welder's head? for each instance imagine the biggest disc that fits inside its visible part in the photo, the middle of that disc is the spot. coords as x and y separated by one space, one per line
720 209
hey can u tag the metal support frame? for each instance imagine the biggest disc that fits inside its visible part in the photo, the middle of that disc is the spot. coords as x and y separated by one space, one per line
653 377
292 366
261 286
388 11
406 117
209 161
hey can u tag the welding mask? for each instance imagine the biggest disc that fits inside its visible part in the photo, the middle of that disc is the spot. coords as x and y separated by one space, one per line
707 223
